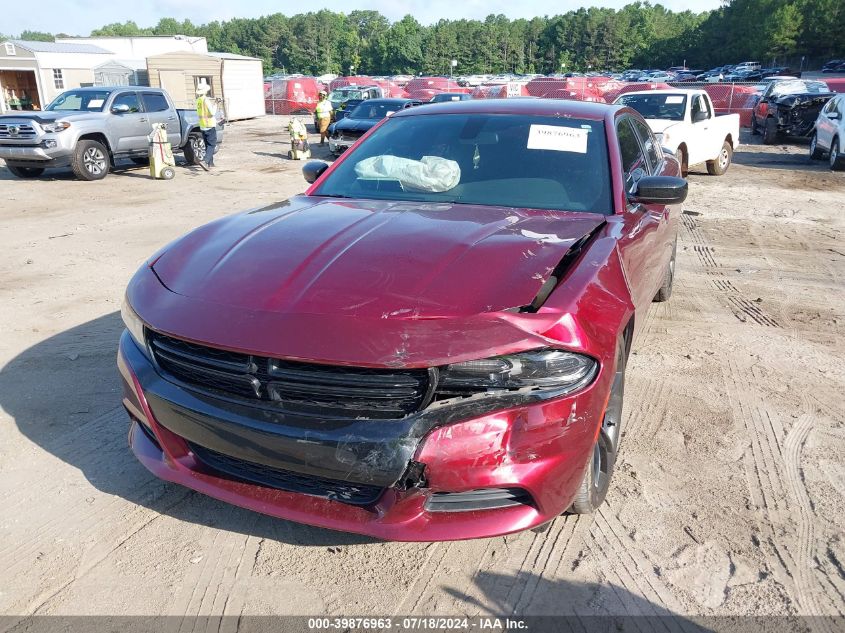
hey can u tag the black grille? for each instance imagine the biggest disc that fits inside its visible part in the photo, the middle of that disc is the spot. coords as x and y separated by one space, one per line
232 467
482 499
355 392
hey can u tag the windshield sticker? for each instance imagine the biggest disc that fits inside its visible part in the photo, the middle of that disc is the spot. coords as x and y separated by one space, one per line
95 103
674 99
557 139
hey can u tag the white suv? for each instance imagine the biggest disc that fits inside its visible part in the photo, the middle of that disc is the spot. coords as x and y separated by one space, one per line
829 135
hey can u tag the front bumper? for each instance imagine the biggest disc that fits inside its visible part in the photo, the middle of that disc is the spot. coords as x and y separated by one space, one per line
541 449
36 153
338 146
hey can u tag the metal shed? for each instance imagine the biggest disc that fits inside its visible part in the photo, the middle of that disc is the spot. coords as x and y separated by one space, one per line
236 79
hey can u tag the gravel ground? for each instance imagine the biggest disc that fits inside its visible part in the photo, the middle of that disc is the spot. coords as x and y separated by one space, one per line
729 497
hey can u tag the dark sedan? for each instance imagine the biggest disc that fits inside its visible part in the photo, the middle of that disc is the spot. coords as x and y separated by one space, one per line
361 119
428 344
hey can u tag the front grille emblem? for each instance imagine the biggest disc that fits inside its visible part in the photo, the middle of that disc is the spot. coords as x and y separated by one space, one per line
14 130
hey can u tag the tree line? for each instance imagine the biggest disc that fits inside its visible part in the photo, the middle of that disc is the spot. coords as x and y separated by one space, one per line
640 35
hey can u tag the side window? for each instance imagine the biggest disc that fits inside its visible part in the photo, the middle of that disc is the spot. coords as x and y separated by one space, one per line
127 98
652 151
154 102
633 160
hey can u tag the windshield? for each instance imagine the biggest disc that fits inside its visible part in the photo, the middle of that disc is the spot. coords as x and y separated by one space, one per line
344 94
657 106
370 110
80 100
797 86
486 159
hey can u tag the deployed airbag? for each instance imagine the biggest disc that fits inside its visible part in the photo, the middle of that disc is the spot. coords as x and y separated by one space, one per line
432 173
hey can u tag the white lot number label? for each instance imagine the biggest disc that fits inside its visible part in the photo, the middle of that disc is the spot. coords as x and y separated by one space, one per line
558 139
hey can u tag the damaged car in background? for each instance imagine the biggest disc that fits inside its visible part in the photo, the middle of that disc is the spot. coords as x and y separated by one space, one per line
789 108
431 342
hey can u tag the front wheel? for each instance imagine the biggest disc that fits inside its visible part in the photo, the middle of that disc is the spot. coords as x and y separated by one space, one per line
770 131
26 172
837 160
755 129
719 166
194 149
596 480
90 160
668 278
815 152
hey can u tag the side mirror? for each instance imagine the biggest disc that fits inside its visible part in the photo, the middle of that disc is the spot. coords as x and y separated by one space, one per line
700 116
833 116
313 169
659 190
120 108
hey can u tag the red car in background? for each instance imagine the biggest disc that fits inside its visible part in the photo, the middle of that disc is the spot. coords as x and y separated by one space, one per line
430 343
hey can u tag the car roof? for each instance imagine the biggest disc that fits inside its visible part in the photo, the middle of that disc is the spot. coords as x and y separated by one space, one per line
665 91
386 100
539 107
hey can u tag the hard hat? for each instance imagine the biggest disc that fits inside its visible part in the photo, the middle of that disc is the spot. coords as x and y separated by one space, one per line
203 88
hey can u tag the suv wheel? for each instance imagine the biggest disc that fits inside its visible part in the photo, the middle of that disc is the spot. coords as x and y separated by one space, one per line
90 160
837 159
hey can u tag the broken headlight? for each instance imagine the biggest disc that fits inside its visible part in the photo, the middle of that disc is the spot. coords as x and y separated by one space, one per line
552 370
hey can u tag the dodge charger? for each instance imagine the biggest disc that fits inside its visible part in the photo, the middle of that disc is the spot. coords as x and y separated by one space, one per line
429 343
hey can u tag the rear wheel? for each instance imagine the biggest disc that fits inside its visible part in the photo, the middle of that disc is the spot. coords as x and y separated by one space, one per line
719 166
90 160
194 149
770 132
26 172
837 160
668 279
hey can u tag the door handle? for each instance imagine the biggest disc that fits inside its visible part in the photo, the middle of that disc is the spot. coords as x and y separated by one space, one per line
171 118
142 120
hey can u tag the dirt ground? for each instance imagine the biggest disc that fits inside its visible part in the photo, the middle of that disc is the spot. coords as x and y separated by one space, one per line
729 497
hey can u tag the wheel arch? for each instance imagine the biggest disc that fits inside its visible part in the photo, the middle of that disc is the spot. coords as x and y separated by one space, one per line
100 138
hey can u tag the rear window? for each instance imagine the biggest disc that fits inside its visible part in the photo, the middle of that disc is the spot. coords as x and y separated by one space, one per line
485 159
154 102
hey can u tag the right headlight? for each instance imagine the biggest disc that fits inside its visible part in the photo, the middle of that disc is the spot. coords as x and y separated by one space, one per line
555 371
134 324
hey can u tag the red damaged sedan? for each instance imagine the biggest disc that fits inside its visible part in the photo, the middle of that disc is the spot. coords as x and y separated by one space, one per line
430 343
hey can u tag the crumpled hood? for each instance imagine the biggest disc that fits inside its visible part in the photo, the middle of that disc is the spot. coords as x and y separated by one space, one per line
801 99
312 255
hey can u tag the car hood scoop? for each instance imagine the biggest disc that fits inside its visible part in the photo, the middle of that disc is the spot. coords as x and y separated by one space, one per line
375 259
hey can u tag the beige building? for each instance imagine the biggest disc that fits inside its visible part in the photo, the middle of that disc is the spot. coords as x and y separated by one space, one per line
236 79
33 73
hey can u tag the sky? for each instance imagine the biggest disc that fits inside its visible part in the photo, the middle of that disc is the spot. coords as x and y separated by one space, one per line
79 17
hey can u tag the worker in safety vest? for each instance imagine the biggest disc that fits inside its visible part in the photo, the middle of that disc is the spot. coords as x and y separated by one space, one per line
207 111
324 116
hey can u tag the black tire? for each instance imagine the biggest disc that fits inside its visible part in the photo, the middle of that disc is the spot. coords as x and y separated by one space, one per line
90 160
837 160
668 278
684 160
719 166
194 149
755 129
168 173
26 172
815 152
596 482
770 131
143 161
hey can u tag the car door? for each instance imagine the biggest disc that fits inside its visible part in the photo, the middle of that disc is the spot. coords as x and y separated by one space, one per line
667 224
159 111
825 125
128 130
702 138
641 222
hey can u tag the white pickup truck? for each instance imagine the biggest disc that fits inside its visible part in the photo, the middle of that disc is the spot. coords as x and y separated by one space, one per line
685 122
